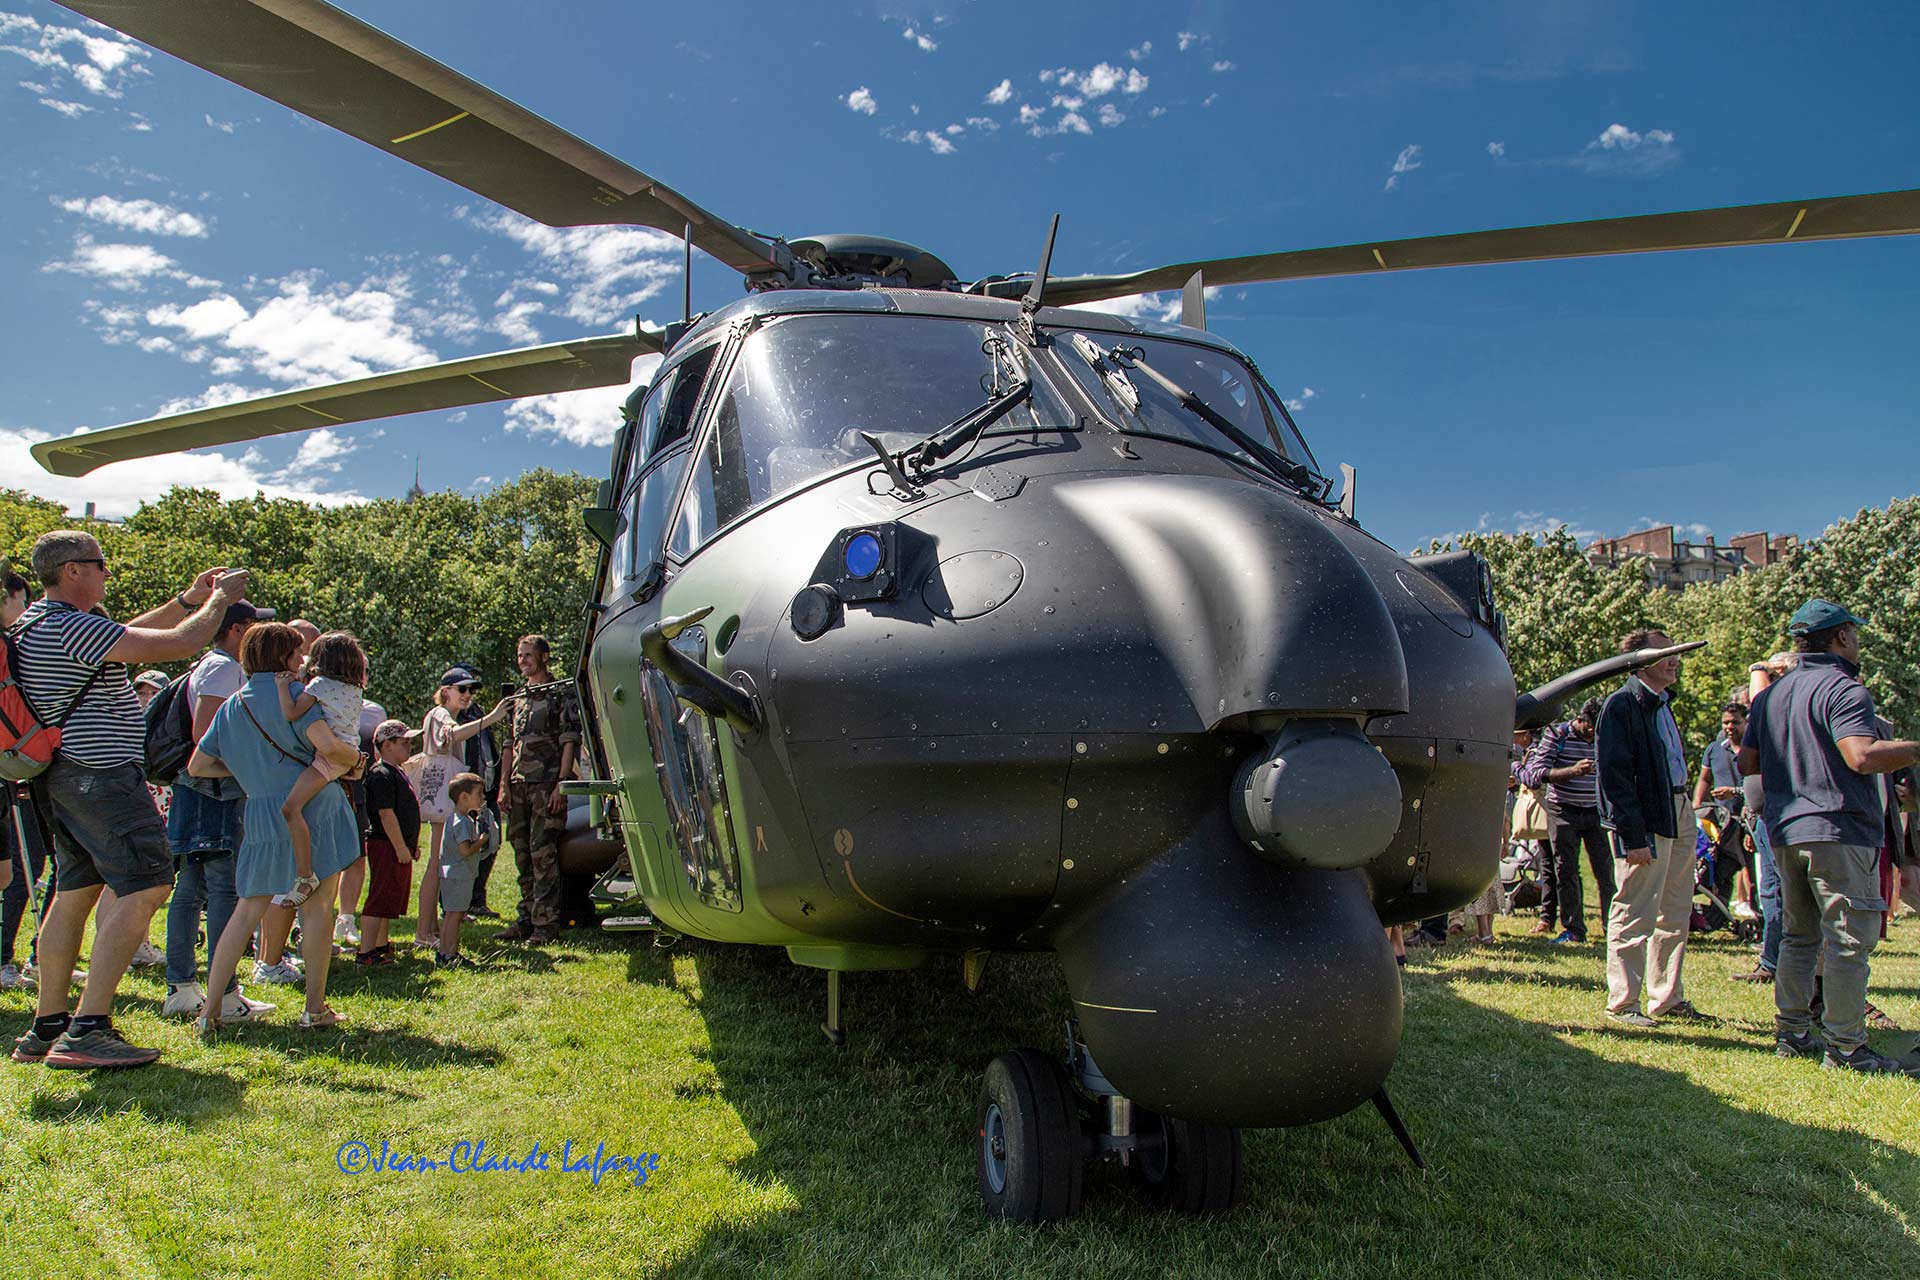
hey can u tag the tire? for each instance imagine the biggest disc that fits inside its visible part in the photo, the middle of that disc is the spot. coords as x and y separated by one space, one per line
1031 1159
1194 1168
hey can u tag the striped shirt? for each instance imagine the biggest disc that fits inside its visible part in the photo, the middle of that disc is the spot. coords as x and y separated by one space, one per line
1558 748
59 647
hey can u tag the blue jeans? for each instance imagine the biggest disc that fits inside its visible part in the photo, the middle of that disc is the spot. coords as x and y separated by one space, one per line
1772 906
204 833
203 881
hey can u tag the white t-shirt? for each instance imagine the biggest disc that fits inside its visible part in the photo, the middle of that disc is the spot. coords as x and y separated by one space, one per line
218 675
341 704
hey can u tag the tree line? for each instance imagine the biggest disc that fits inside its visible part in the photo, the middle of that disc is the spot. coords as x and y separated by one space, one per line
448 577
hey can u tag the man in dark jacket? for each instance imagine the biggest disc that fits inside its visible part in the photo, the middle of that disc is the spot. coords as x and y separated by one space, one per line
1643 802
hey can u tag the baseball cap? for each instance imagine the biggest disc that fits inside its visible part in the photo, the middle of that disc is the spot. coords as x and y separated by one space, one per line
158 679
1820 615
388 730
458 676
246 611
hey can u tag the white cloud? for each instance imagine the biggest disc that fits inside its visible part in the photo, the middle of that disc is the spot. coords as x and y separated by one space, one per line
1188 39
1406 162
1140 54
124 266
100 61
999 94
985 124
1110 115
921 38
954 130
1154 113
1069 122
320 451
1620 150
1496 149
71 110
1210 99
587 418
118 488
306 334
1225 65
933 139
144 216
1030 114
607 271
1103 78
861 100
1164 307
515 324
1617 137
218 394
1297 403
224 126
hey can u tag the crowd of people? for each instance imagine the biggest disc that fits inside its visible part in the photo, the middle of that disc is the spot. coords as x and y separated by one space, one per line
259 793
1807 791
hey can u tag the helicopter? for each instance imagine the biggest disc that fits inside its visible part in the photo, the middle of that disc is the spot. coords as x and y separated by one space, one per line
938 617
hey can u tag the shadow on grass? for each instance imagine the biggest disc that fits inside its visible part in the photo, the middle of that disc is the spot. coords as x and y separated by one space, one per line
161 1093
1651 1172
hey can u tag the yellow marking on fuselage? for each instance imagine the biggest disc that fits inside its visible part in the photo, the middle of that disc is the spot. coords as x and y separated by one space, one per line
1377 258
1112 1008
1796 224
421 133
489 386
321 413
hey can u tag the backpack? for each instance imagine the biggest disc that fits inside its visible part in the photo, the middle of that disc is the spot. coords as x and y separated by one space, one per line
27 742
169 731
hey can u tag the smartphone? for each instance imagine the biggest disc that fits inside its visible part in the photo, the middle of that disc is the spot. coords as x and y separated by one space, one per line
508 689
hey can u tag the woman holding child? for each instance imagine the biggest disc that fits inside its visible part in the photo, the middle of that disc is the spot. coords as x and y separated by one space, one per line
252 740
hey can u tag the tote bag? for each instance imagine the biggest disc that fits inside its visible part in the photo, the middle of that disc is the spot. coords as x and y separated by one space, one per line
430 776
1529 816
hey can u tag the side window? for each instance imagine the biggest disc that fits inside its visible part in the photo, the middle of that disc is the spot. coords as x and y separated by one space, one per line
645 515
668 415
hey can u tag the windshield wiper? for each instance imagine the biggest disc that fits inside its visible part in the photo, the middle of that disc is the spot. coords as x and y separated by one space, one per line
919 458
1292 472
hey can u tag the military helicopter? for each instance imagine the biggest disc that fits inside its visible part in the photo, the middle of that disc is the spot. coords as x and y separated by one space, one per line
937 618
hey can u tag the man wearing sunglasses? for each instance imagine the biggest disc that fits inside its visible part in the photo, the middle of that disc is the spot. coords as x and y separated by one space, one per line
107 834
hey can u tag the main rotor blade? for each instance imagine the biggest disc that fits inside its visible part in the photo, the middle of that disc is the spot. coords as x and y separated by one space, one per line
331 66
1888 213
509 375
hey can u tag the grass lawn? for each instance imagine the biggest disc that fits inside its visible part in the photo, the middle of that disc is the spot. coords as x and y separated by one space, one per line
1558 1145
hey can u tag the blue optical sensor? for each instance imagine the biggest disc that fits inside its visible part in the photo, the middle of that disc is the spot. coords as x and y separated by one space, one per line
863 555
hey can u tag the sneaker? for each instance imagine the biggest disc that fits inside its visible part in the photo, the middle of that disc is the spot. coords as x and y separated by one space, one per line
373 959
1862 1059
32 976
1685 1012
284 974
454 961
1565 936
183 1001
1632 1018
1878 1019
344 932
31 1048
235 1007
1797 1044
1759 973
145 955
11 979
104 1048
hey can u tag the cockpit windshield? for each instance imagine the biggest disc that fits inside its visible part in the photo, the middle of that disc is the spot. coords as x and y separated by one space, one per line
1144 404
806 387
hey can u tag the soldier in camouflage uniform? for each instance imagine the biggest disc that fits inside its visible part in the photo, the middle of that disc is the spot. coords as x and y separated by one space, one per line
542 742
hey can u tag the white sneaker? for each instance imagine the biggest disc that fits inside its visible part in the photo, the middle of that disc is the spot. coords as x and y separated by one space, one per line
284 974
343 931
146 954
11 979
237 1008
183 1001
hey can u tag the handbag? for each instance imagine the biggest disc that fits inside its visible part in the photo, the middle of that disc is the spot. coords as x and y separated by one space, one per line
430 776
1529 817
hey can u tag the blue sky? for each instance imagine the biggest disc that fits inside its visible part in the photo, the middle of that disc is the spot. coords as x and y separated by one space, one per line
175 237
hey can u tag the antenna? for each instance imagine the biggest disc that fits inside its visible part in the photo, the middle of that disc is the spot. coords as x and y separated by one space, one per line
1030 305
686 279
1193 302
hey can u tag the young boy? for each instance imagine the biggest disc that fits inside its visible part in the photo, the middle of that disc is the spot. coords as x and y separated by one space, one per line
471 836
393 835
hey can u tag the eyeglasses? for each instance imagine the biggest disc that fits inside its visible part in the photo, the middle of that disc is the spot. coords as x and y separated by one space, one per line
95 560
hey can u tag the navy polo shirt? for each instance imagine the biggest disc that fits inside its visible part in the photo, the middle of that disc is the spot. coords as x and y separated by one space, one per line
1813 797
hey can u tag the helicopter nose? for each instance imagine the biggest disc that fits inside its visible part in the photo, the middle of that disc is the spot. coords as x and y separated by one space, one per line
1322 798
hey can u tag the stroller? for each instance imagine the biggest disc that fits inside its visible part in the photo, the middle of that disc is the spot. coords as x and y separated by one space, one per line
1721 850
1520 875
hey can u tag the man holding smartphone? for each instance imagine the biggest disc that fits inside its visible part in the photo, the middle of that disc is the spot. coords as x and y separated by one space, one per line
542 744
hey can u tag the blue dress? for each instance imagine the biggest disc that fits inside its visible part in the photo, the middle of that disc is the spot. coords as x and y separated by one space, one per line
265 863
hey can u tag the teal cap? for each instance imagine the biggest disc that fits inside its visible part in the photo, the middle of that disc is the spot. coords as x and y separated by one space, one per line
1820 615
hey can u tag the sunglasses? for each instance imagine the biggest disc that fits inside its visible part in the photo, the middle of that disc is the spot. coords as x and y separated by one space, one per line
96 560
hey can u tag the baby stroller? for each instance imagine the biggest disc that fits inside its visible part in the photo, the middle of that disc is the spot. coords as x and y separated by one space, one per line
1721 848
1520 875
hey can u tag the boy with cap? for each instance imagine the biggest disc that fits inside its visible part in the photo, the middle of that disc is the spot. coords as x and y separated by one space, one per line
393 839
1813 739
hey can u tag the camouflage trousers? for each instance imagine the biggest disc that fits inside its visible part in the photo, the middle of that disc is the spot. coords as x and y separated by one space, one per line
535 834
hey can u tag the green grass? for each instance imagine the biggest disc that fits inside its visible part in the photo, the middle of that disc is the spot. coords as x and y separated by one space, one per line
1558 1145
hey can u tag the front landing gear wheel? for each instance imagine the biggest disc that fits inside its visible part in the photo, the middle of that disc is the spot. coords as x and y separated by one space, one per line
1032 1159
1186 1166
